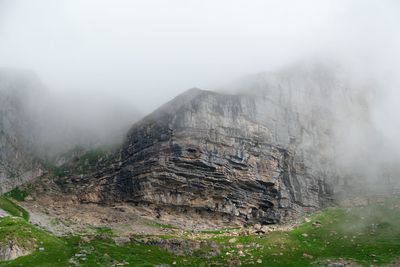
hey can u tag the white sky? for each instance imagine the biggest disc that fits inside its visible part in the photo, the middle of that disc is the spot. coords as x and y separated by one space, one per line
148 51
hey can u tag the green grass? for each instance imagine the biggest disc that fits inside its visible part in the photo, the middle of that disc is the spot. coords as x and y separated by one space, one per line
56 251
364 235
12 208
218 231
104 231
17 194
160 225
367 235
59 251
106 253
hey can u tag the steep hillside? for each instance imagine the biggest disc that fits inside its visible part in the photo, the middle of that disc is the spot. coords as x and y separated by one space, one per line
17 129
37 125
263 155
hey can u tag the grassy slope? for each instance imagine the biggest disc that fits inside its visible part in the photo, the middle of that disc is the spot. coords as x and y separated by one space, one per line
63 251
12 208
56 251
106 253
367 235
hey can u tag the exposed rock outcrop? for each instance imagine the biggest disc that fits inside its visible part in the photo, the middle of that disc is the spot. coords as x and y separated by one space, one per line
262 155
12 251
17 129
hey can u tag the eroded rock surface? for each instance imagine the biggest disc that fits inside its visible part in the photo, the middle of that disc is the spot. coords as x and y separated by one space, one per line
12 250
262 155
17 129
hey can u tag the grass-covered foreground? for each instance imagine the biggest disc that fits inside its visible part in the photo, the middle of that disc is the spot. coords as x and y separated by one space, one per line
363 235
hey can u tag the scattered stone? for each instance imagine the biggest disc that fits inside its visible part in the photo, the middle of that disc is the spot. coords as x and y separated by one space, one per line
121 240
316 224
266 229
3 213
307 256
232 240
336 264
257 226
29 198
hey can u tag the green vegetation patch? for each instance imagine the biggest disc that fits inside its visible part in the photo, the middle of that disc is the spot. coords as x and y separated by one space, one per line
107 253
219 231
12 208
363 235
84 251
107 231
160 225
17 194
47 250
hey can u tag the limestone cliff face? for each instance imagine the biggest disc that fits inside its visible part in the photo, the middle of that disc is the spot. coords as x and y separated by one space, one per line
213 154
17 130
263 155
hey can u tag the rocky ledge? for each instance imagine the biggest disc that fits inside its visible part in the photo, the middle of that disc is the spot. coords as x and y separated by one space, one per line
262 155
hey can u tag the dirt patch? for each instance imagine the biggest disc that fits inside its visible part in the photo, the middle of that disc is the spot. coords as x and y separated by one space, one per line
66 216
63 218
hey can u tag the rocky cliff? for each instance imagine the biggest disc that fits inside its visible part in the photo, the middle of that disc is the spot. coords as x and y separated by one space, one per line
264 154
17 129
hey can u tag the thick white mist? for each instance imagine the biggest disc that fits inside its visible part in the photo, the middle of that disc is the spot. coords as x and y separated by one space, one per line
149 51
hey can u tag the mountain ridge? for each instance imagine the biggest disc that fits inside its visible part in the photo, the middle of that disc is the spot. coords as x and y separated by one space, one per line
264 155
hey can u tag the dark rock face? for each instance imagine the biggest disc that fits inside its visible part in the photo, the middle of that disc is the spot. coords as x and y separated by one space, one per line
263 155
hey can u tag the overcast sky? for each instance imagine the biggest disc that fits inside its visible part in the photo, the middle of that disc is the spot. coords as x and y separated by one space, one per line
148 51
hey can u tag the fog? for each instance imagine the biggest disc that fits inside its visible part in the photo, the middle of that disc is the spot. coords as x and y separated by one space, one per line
148 51
95 54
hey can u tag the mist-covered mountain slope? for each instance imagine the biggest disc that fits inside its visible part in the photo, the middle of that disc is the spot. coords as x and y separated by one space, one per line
264 154
17 130
40 128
